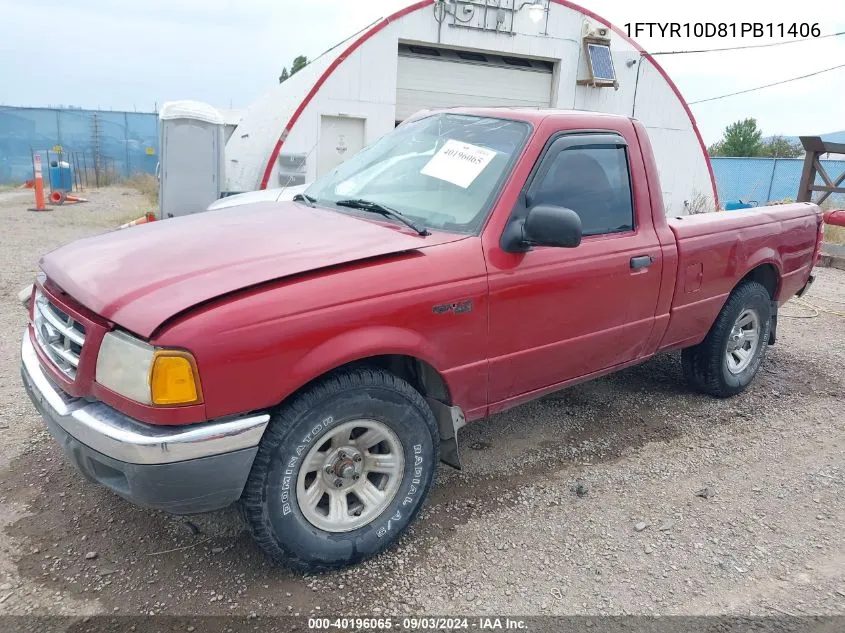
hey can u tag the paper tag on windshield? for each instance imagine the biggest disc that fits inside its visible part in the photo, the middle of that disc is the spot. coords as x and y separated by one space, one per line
458 163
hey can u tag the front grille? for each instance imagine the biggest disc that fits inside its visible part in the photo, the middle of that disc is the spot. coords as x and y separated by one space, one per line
58 334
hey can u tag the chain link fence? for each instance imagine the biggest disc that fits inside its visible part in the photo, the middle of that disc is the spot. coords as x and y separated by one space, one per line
767 180
101 146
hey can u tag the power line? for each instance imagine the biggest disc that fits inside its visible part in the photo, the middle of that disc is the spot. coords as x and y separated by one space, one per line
737 48
777 83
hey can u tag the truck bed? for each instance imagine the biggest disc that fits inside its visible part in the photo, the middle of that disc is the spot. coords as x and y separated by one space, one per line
714 249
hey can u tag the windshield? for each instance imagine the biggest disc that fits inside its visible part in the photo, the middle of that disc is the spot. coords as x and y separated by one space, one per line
442 171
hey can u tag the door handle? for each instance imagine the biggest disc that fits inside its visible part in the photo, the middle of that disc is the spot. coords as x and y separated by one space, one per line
643 261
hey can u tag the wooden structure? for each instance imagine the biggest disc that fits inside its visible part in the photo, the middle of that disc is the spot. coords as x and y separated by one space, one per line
815 147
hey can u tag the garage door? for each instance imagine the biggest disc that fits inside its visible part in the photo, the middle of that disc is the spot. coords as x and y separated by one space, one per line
439 78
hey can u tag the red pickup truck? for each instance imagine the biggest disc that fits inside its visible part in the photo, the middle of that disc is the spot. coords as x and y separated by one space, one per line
314 359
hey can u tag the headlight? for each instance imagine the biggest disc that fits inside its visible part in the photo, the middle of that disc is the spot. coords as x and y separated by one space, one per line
147 374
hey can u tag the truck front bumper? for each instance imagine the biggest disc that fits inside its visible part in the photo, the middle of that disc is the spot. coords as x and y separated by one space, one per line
182 470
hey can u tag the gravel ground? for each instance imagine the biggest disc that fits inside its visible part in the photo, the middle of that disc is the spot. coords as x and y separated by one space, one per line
625 495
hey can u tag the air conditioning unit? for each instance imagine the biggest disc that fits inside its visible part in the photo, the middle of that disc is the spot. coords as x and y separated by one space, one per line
595 31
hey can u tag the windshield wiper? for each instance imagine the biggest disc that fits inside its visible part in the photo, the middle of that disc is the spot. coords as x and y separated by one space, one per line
308 200
375 207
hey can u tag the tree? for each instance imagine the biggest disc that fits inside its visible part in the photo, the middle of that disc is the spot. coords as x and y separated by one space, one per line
715 149
781 147
742 138
300 62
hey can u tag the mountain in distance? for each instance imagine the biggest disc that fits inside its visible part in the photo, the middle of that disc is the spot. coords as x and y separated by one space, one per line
830 137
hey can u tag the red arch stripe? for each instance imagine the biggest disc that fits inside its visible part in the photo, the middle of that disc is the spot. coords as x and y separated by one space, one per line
427 3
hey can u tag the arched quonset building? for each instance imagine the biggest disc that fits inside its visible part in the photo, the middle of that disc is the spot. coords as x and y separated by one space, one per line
445 53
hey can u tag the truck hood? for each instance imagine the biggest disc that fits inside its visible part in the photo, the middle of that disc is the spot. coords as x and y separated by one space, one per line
141 276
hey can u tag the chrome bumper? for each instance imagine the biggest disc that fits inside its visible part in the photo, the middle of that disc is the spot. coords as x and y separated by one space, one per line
109 432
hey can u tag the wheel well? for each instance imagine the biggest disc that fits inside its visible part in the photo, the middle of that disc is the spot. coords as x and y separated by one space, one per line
418 373
767 276
431 385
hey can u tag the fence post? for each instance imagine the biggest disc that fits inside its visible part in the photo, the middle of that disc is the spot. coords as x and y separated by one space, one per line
808 177
771 180
126 142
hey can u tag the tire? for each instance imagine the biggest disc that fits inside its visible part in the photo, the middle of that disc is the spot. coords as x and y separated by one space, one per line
710 367
279 503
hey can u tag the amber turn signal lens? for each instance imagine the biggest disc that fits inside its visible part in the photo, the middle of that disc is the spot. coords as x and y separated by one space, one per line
174 379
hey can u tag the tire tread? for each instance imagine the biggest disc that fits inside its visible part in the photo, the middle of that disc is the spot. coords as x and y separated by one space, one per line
702 363
278 430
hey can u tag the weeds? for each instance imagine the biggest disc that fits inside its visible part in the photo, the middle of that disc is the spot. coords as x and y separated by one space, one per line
834 234
147 184
698 203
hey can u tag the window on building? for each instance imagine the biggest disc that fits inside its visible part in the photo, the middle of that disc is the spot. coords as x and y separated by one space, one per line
595 183
473 57
517 61
424 50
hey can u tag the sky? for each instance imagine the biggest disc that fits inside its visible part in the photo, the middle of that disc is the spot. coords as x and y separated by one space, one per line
125 54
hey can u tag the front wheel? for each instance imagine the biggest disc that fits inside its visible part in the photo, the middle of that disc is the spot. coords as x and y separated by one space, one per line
727 360
342 470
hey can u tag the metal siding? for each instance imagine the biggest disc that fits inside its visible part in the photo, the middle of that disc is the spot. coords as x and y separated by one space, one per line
252 142
684 173
607 99
656 103
435 83
365 85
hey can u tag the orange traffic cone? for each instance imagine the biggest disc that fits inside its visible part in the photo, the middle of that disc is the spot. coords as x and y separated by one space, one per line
60 197
148 217
39 187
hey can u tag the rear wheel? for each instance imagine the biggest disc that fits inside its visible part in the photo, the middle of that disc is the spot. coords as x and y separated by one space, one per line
342 470
727 360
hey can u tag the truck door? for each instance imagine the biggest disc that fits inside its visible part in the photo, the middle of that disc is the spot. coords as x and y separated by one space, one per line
557 314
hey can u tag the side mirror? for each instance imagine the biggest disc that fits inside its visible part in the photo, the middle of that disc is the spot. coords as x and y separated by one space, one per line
545 225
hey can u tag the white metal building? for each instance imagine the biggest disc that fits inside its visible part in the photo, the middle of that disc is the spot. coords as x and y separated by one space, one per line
446 53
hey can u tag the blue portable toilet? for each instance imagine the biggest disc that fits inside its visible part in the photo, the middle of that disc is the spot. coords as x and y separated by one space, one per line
61 176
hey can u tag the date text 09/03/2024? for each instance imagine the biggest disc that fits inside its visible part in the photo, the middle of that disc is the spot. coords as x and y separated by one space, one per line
723 29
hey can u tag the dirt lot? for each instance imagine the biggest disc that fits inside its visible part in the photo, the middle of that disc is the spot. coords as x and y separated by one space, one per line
509 534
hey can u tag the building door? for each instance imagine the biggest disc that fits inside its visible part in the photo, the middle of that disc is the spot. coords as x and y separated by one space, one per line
340 138
430 78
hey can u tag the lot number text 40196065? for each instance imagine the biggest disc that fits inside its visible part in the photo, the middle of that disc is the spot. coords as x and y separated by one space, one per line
421 624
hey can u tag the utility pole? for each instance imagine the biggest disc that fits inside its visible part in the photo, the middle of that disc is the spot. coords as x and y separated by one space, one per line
96 146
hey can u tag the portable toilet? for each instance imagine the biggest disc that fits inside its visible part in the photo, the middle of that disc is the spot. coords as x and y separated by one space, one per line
191 172
61 176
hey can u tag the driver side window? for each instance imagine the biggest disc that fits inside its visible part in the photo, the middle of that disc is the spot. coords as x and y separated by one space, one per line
595 183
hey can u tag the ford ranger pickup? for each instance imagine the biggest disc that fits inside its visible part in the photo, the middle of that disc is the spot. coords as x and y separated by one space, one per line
313 359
